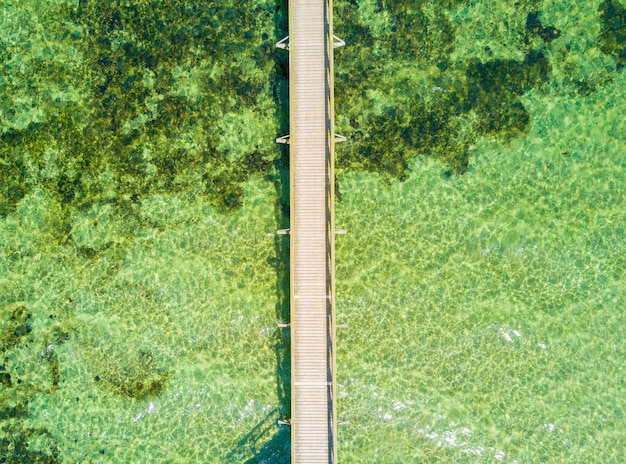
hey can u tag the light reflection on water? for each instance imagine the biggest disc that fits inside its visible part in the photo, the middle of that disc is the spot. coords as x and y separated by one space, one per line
484 309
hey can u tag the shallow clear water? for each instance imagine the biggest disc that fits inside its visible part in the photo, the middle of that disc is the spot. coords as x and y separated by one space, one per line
482 277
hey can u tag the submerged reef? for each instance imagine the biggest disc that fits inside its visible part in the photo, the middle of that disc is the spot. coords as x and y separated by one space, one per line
111 102
408 84
137 98
547 33
103 105
613 36
116 115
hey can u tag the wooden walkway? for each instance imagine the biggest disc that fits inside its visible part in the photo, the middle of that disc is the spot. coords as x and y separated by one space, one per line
312 232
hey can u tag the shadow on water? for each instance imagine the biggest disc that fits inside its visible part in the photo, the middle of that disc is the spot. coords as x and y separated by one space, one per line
268 442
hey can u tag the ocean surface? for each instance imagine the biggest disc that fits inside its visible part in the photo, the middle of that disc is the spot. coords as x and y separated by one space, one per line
483 187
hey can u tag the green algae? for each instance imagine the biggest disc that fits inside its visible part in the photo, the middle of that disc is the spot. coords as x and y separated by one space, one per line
117 118
488 291
141 281
19 445
443 76
142 73
431 95
547 33
613 36
16 323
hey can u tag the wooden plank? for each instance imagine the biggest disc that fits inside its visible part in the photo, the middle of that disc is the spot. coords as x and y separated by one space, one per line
311 145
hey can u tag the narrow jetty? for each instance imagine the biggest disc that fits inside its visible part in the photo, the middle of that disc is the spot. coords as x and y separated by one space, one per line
312 231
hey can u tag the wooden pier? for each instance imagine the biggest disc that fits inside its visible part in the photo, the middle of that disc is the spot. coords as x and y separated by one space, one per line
312 231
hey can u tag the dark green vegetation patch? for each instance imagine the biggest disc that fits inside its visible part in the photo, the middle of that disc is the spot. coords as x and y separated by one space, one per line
547 33
151 84
16 446
16 323
103 104
139 100
494 87
613 36
404 93
431 99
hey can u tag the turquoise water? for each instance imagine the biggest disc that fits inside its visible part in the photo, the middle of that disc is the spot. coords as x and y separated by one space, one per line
482 276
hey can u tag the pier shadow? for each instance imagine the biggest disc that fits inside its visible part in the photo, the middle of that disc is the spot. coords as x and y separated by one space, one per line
268 442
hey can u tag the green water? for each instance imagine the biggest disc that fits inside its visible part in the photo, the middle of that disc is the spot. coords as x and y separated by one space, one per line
483 188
